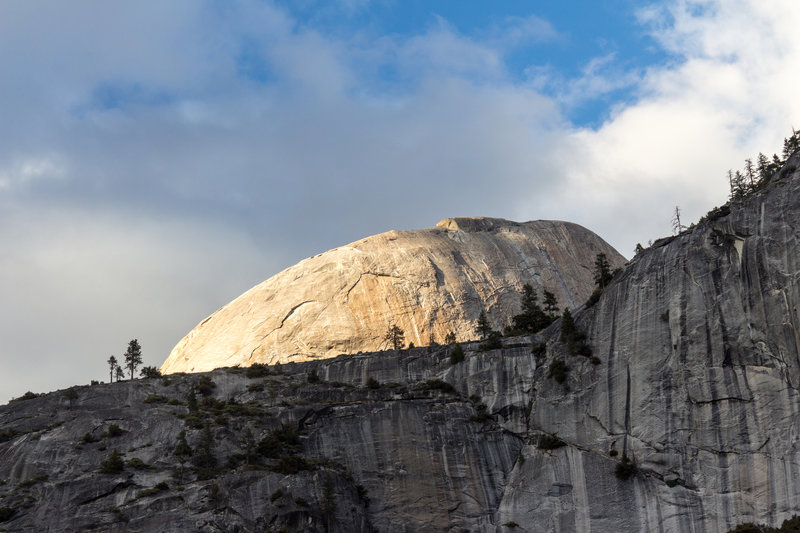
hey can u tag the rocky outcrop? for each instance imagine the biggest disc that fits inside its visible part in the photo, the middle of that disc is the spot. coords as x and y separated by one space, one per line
406 455
428 282
695 381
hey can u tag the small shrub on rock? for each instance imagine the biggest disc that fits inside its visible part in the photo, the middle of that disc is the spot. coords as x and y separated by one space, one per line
550 442
291 464
6 513
790 525
493 342
158 488
137 464
436 384
27 396
113 464
257 370
114 431
71 394
481 413
625 468
150 372
205 385
156 398
282 441
558 371
88 438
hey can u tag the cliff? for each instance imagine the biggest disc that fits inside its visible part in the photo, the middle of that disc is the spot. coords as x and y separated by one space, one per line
695 381
428 282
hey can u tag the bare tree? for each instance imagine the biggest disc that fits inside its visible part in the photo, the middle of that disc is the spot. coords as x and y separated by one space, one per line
677 227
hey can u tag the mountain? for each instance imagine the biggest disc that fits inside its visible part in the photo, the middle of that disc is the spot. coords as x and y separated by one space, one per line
427 282
671 405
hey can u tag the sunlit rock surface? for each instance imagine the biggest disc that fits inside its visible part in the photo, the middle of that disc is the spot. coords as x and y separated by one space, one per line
428 282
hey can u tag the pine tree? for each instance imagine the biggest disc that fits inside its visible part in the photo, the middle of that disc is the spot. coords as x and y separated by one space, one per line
483 328
204 454
532 318
112 364
120 372
183 452
550 304
763 168
113 464
395 337
191 401
602 271
750 173
133 357
248 444
567 326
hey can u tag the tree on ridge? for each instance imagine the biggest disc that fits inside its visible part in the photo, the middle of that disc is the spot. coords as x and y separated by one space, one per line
133 357
112 363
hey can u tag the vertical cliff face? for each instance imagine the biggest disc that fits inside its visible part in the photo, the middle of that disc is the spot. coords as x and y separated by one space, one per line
428 282
698 384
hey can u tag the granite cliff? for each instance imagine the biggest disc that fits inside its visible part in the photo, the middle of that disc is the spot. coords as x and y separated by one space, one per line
428 282
695 382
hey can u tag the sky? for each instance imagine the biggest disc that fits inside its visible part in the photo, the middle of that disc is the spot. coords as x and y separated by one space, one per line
157 159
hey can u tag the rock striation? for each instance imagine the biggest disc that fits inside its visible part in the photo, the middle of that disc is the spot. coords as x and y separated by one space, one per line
428 282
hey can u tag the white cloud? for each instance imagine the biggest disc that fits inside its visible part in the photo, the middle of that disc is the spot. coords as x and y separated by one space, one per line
726 96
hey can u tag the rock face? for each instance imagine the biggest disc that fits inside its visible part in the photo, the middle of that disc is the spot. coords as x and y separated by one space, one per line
695 381
428 282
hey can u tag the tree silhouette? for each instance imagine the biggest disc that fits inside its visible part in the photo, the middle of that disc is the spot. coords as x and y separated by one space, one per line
395 337
550 304
532 318
112 364
133 357
483 328
602 271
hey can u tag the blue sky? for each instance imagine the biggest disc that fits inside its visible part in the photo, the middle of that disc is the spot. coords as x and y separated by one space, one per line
545 43
159 158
